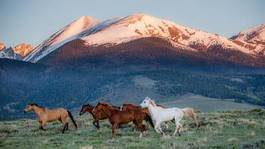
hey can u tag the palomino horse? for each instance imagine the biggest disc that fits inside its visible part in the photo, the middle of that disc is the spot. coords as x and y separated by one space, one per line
45 115
129 107
96 116
117 117
160 115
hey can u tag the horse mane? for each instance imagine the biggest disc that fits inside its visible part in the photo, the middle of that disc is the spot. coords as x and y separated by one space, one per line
104 103
87 105
34 104
107 104
116 107
162 106
153 103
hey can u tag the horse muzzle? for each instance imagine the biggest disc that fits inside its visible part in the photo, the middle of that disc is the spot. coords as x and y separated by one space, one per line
25 111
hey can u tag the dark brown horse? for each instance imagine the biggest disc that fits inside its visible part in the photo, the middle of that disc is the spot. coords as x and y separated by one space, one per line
96 116
44 115
129 107
117 117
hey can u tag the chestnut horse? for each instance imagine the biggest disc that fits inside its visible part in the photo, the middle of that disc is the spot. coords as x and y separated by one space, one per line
129 107
96 116
45 115
117 117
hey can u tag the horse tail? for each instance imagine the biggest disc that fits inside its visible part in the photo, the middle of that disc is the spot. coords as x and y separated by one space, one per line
72 118
189 112
149 119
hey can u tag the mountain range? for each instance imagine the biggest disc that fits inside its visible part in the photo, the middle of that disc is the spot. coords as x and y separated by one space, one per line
17 53
92 35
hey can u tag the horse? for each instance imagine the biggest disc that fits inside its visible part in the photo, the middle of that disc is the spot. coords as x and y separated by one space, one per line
44 115
96 116
117 117
188 112
129 107
160 115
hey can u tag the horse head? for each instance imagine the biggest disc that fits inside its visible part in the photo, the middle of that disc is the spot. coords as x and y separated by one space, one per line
147 102
30 107
85 108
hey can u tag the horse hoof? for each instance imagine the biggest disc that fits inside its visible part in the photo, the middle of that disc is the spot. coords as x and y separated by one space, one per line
141 135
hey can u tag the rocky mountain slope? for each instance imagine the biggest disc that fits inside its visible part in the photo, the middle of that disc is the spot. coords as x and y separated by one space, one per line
118 32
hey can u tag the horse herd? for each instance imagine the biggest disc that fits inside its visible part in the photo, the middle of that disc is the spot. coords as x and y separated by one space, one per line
148 111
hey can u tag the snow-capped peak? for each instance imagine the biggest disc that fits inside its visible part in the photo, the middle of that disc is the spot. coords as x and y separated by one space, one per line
77 26
22 49
64 35
2 46
252 39
140 25
253 34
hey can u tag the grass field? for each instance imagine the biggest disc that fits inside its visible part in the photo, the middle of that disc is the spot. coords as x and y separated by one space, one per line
207 104
231 129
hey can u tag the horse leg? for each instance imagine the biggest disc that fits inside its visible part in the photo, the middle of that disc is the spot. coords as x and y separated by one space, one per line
42 124
65 124
96 124
136 126
166 124
194 117
178 127
114 126
40 127
64 127
158 128
140 127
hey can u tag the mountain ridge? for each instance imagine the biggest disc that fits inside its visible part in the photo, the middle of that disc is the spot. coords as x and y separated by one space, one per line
111 32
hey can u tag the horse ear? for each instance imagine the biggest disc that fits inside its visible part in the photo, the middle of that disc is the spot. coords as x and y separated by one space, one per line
148 98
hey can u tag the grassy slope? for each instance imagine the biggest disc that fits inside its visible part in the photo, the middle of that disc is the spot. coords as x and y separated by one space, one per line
218 129
207 104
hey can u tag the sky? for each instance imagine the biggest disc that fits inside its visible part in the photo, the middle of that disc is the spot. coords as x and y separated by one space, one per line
32 21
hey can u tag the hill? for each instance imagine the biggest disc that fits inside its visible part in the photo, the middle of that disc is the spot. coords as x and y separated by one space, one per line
70 87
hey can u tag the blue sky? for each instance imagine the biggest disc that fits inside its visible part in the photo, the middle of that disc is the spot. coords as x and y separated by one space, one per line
32 21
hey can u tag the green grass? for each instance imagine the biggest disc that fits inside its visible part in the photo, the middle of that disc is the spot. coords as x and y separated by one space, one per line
231 129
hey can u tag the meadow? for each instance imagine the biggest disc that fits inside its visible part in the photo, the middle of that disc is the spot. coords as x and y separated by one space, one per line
228 129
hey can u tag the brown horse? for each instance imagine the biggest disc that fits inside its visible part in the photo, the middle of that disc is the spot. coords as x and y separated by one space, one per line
117 117
129 107
45 115
96 116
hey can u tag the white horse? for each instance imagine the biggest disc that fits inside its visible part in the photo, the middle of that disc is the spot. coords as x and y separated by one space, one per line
160 115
